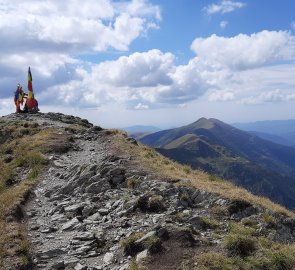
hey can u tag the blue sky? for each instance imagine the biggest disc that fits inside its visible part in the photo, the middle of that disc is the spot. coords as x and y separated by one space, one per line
164 63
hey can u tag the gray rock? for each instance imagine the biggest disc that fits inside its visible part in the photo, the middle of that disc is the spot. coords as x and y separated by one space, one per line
70 263
74 208
98 187
99 234
142 255
85 236
197 222
124 267
47 254
58 265
70 225
103 211
80 267
108 258
145 237
94 217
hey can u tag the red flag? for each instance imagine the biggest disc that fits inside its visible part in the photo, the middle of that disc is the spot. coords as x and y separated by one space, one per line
30 80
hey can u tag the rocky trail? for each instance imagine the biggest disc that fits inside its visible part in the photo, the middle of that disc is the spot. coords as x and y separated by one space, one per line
96 209
82 209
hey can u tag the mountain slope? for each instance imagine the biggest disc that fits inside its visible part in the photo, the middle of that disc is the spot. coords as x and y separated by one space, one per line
209 144
279 139
94 199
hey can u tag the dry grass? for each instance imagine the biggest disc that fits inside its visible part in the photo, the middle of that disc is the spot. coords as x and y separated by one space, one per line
199 179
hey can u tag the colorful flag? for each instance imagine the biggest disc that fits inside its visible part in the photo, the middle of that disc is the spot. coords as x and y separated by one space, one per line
30 80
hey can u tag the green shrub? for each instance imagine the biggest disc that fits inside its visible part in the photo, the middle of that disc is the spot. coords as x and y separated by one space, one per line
155 204
31 159
130 247
153 245
209 223
132 182
212 260
240 245
34 172
250 222
271 222
134 266
23 247
187 169
236 228
149 202
184 197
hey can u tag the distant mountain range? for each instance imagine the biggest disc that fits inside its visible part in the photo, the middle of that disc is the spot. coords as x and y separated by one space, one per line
278 131
139 131
141 128
264 167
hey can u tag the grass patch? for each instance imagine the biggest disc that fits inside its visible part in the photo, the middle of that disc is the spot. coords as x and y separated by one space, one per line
219 211
212 260
153 245
150 203
240 242
209 223
240 245
130 247
135 266
133 182
250 222
269 220
187 169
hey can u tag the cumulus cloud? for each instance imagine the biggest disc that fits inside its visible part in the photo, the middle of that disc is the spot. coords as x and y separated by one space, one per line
48 34
225 69
48 39
222 95
225 6
141 81
246 51
273 96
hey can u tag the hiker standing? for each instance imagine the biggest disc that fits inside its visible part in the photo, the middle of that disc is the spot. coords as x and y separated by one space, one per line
18 98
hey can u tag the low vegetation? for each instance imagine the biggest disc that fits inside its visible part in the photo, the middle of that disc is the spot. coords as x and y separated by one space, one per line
150 203
130 246
243 251
23 146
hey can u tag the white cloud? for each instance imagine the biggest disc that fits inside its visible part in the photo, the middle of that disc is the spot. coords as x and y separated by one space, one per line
141 80
222 95
140 106
223 24
293 25
273 96
245 51
48 34
225 6
224 68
